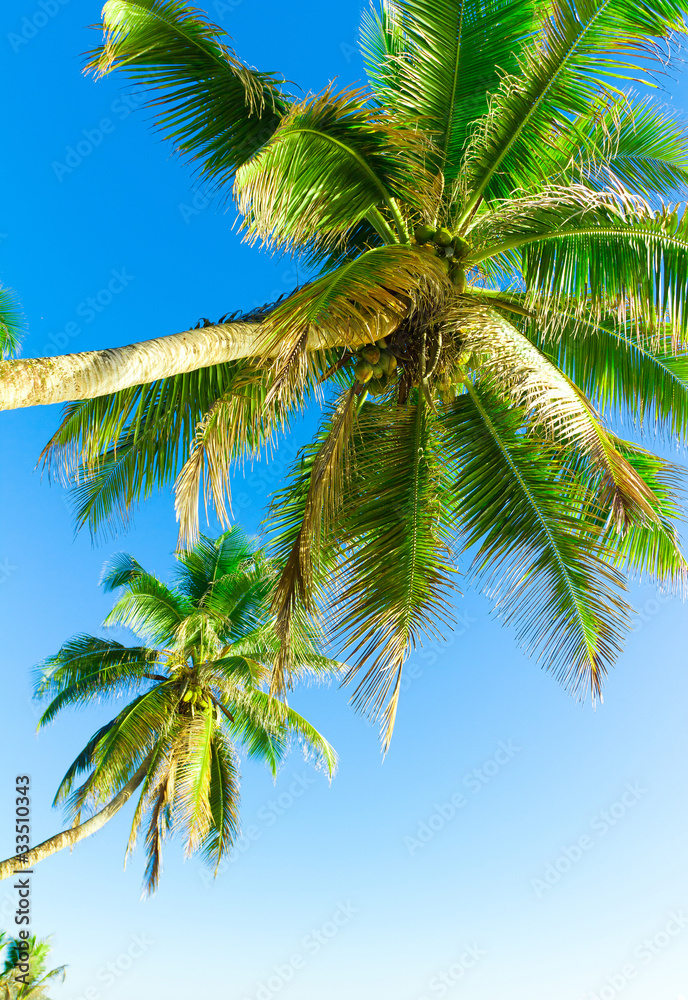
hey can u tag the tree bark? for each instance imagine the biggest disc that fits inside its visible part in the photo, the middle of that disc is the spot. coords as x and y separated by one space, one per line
76 833
39 381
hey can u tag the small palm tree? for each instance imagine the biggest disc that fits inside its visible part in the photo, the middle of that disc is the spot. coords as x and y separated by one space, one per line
197 686
498 276
25 975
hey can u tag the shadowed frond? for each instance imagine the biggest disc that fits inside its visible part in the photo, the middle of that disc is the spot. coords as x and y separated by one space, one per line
304 516
392 588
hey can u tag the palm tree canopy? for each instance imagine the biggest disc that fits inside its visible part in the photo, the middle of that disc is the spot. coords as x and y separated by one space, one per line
497 279
18 983
194 691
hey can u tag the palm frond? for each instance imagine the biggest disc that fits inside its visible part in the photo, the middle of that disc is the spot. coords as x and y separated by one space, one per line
300 538
87 668
367 297
627 142
395 577
332 160
223 798
654 550
637 265
193 778
556 408
641 376
12 324
437 62
540 550
583 47
121 447
150 609
207 102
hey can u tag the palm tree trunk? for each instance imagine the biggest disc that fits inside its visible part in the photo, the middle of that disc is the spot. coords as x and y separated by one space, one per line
39 381
76 833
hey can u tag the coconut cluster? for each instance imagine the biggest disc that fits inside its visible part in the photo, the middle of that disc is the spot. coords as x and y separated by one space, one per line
374 366
194 696
448 244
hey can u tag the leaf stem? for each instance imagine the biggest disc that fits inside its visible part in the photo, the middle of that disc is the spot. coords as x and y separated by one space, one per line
381 226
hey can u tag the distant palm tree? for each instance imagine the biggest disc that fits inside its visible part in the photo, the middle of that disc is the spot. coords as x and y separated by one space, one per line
198 693
20 983
500 279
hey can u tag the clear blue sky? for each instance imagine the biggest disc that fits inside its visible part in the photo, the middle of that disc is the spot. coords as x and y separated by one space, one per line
371 887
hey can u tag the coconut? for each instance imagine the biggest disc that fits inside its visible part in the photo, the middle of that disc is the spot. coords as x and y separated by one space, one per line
363 372
443 238
371 353
377 386
423 233
381 343
458 277
387 361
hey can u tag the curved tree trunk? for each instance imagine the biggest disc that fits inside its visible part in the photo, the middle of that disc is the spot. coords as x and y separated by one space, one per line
76 833
39 381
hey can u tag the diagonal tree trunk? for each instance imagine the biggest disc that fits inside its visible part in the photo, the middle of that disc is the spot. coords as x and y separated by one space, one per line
76 833
39 381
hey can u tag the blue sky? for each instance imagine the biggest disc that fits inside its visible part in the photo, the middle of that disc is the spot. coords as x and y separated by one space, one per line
513 844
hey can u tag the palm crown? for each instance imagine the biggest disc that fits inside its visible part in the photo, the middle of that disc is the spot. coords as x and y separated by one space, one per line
196 690
496 279
16 983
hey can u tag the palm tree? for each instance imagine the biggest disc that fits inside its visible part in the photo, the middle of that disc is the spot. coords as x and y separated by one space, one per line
196 686
497 280
25 975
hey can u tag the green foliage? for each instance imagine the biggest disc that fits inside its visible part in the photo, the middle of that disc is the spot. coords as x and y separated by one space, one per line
32 983
196 690
11 323
550 302
208 103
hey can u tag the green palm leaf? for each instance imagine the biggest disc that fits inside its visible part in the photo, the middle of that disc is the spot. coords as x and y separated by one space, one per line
86 667
332 161
581 49
223 799
12 324
539 545
619 368
396 570
207 102
438 62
